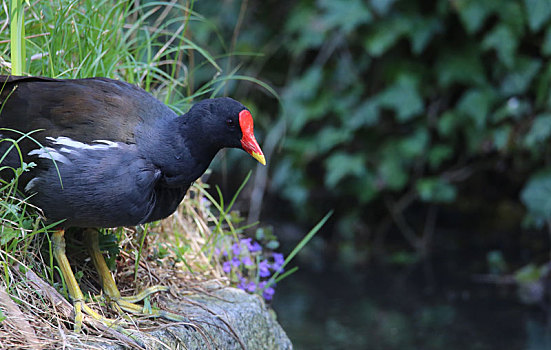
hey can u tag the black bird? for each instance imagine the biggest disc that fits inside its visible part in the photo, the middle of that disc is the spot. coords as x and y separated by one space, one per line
109 154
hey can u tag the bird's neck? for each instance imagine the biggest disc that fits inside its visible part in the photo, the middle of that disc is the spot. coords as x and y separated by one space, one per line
185 155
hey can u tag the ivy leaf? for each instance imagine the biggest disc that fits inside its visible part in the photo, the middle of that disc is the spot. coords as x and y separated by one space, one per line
382 7
300 101
414 145
340 164
473 13
345 15
439 154
448 123
520 78
436 190
304 29
384 35
461 65
402 97
502 39
392 172
539 132
367 114
476 103
422 31
330 137
538 12
501 137
536 195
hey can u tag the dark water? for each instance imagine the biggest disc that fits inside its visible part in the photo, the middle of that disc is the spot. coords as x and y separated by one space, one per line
405 310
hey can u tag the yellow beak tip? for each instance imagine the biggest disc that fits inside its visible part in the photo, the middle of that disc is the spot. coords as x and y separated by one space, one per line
259 157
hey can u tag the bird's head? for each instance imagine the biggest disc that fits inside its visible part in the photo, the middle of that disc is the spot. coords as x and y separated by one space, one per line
228 123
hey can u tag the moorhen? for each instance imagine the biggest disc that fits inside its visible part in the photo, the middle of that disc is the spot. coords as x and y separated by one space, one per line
109 154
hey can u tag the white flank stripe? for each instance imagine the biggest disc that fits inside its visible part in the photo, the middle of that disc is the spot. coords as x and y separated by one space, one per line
66 141
31 184
50 153
70 146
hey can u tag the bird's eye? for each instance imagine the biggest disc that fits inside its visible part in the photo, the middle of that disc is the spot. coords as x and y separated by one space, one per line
230 122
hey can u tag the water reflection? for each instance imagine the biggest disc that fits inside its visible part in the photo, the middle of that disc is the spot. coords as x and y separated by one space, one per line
383 310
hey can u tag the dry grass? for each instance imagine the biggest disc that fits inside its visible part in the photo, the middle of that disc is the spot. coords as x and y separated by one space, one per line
175 253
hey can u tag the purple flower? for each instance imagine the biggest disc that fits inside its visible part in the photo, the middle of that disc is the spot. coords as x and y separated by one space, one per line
251 287
247 243
255 247
278 258
268 293
226 266
235 262
242 283
236 249
278 262
263 268
247 261
217 251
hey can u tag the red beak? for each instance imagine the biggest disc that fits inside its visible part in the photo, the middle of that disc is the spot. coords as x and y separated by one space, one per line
248 141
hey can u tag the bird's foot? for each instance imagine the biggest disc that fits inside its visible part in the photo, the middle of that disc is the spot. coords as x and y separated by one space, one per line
130 304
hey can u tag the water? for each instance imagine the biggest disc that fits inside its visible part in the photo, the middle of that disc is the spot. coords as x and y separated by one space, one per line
389 310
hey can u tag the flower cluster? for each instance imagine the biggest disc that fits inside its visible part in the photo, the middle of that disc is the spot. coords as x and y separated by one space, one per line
249 267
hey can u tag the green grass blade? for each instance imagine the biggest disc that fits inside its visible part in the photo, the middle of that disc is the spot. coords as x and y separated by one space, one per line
17 37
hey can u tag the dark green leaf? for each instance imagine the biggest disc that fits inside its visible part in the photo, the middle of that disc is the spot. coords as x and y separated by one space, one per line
414 145
384 35
403 97
536 195
476 103
367 114
382 7
392 173
504 42
462 65
439 154
330 137
473 13
436 190
538 12
345 15
448 123
501 136
520 78
304 29
340 165
422 31
540 131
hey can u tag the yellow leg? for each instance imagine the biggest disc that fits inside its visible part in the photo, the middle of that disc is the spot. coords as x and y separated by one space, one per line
58 242
109 286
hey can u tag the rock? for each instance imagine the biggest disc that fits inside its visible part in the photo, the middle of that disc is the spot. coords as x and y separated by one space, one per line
226 319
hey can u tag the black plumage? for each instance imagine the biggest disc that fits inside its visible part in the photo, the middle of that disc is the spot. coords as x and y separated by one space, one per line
124 157
106 154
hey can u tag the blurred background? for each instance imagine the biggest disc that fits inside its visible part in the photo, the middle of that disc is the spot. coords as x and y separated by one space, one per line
425 126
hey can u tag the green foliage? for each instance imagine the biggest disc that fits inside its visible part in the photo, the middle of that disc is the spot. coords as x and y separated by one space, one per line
387 99
536 196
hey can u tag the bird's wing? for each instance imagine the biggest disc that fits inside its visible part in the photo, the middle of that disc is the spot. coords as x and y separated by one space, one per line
83 110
